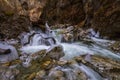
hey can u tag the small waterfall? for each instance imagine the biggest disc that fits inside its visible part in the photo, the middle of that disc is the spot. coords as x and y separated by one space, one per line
105 52
36 40
72 50
68 73
33 49
91 74
39 41
58 37
77 49
44 41
71 72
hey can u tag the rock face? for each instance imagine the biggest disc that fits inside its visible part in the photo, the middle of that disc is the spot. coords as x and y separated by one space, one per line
64 11
107 18
16 16
11 27
102 15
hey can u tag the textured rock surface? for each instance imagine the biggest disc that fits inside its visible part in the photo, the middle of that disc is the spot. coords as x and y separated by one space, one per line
11 27
106 67
64 11
107 18
102 15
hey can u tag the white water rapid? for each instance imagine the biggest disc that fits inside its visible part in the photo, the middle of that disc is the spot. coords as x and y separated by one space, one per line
96 47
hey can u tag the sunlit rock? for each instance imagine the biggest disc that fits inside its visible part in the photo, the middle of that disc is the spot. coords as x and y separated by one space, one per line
62 62
35 14
57 74
40 75
31 76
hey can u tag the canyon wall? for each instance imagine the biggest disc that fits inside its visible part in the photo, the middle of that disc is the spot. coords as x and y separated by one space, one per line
102 15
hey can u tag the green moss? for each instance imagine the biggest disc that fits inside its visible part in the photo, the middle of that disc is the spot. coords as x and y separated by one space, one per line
9 13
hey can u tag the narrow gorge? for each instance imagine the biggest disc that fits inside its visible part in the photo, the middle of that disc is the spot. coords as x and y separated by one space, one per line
59 39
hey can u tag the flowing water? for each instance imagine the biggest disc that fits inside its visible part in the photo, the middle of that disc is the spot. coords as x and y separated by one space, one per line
93 46
36 41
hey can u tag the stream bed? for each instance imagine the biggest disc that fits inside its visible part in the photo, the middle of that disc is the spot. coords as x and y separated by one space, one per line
43 56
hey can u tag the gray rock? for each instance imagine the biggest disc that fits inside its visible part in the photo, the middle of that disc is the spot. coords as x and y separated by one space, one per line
8 57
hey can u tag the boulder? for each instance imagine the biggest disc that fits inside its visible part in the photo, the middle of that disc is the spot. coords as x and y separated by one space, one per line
12 53
55 52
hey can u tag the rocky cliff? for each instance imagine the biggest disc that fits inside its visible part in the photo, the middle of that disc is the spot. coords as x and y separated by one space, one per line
102 15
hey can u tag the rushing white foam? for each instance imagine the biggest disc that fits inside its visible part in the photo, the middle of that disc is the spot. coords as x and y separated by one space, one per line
72 50
92 75
36 40
100 40
33 49
105 52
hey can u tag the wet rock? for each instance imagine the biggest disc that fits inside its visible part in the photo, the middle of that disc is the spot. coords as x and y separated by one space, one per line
62 62
66 34
8 74
4 51
67 37
31 76
40 75
55 52
80 75
8 57
66 72
47 64
57 74
115 46
106 67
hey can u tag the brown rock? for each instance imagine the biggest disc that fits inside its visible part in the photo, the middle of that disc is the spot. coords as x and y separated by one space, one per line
106 18
102 15
31 76
63 11
34 14
12 26
10 7
106 67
